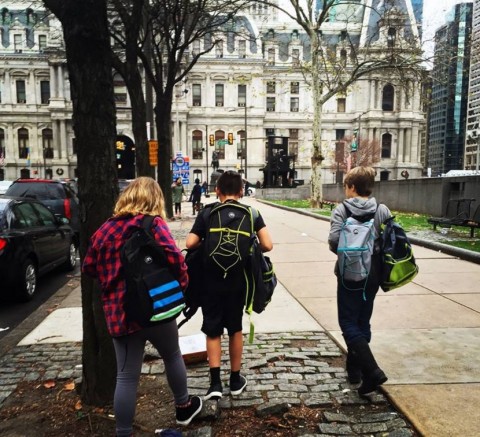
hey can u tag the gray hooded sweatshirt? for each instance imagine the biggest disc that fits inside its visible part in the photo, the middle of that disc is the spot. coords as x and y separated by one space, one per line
358 207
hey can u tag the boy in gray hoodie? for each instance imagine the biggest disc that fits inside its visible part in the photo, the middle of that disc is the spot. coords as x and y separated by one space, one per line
355 301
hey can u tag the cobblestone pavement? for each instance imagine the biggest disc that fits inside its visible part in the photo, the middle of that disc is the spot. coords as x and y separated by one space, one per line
283 369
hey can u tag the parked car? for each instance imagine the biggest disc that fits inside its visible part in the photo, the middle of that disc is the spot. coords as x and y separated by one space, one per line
56 195
33 241
4 186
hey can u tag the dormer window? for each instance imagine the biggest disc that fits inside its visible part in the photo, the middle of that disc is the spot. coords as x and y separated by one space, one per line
295 35
391 36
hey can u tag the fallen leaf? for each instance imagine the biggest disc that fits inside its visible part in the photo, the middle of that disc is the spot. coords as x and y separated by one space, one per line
99 410
78 405
49 384
69 386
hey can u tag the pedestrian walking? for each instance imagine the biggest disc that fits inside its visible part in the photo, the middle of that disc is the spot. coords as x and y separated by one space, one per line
355 300
143 197
196 196
177 195
224 295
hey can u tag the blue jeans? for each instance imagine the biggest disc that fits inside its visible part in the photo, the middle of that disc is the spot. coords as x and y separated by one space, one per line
355 308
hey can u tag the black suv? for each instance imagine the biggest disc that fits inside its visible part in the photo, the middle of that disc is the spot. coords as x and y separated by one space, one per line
56 195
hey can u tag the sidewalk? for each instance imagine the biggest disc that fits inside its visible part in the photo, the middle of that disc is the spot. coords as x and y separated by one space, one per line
425 335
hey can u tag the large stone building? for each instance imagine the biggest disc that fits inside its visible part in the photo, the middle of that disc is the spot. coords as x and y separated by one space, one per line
251 85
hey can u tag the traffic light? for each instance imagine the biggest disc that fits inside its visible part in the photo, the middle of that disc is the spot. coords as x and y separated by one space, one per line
211 140
230 138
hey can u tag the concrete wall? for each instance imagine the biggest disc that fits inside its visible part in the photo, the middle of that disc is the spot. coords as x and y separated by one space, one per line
424 196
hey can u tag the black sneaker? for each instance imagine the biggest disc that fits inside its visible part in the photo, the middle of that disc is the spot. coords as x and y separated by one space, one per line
215 391
185 415
236 387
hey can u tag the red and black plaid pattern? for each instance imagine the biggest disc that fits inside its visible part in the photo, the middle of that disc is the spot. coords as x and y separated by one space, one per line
102 261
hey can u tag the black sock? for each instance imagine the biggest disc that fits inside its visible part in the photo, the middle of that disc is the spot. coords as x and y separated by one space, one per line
215 375
235 376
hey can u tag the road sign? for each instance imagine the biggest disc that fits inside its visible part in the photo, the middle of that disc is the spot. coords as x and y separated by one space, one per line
181 168
222 142
153 152
354 146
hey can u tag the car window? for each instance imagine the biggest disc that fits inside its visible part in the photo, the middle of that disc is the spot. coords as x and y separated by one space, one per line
29 215
46 216
18 221
28 189
55 191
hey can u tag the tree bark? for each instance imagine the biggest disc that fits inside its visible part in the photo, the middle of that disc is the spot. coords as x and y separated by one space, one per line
163 113
88 54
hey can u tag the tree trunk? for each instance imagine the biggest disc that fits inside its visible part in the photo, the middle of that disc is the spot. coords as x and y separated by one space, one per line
317 155
88 56
163 113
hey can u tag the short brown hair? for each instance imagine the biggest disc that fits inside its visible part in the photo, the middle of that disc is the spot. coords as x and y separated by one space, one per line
142 196
230 183
363 178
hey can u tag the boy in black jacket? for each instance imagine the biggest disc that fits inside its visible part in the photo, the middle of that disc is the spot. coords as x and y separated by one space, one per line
224 298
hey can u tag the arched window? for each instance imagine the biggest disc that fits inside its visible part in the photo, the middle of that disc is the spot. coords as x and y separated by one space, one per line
241 144
391 36
220 148
343 57
197 144
47 143
387 145
388 97
3 152
23 143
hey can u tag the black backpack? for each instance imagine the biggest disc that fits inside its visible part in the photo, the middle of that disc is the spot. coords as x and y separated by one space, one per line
398 263
152 294
229 238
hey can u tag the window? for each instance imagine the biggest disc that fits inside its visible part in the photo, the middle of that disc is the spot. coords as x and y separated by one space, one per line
293 142
388 97
21 95
294 104
219 94
295 57
74 146
339 134
242 95
271 57
241 144
47 143
196 94
26 216
270 87
219 149
119 89
17 43
386 145
391 36
270 132
196 47
42 42
46 216
2 144
341 104
197 144
343 58
219 49
23 143
294 87
242 48
271 104
44 92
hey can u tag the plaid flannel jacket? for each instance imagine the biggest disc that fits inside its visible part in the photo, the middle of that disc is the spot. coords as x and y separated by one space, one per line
102 261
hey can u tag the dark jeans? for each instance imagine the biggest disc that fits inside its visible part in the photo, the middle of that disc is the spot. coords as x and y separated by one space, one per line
355 308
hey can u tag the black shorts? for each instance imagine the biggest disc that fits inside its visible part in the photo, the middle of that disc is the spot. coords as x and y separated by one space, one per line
222 309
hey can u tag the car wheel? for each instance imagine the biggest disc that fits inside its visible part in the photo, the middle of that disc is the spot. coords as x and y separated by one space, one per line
71 261
28 280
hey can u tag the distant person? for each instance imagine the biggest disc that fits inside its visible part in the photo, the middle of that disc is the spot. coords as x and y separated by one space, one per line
141 197
196 196
355 300
177 196
224 296
205 187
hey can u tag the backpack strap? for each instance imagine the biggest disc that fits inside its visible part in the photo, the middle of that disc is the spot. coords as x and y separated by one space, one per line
147 222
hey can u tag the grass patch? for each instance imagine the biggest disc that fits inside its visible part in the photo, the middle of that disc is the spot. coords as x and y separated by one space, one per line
473 245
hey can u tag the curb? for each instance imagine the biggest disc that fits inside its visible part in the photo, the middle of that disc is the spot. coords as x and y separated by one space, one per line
460 253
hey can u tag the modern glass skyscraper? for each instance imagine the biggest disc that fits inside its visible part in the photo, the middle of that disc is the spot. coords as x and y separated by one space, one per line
450 76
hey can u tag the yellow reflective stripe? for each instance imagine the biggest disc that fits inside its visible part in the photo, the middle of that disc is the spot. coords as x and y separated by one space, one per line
230 231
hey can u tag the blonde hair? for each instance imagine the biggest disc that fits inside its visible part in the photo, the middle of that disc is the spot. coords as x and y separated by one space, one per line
142 196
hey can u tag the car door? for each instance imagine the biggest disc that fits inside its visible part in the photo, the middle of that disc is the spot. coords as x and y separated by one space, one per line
35 233
59 240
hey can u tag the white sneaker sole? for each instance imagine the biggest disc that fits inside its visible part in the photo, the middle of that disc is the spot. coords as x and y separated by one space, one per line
240 390
213 394
187 422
